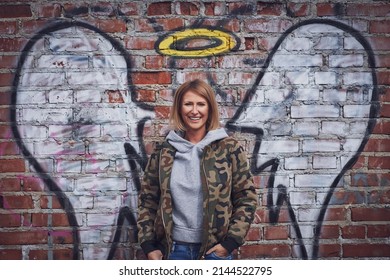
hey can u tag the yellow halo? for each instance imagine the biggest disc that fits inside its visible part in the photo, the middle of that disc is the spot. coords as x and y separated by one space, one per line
226 42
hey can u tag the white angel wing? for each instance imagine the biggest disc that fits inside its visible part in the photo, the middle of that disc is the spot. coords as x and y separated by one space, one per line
312 107
74 111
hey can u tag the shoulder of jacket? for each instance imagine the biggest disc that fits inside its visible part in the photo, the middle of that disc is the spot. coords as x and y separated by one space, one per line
228 141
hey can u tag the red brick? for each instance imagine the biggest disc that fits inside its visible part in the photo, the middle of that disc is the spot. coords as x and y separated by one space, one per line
370 180
8 61
342 197
144 25
5 97
276 232
32 184
129 9
62 236
366 250
5 130
360 163
8 148
11 44
335 214
378 145
240 8
110 25
383 60
11 254
383 78
329 251
380 43
353 232
330 232
42 219
254 234
265 251
23 237
4 113
18 202
154 62
31 26
10 220
144 95
370 214
58 254
6 80
297 9
162 112
187 8
269 9
115 96
15 11
124 254
12 165
379 162
54 204
382 127
182 63
214 8
382 26
385 111
8 27
378 231
232 25
140 43
10 184
266 25
379 10
330 9
48 10
151 78
379 196
102 9
75 10
249 43
158 9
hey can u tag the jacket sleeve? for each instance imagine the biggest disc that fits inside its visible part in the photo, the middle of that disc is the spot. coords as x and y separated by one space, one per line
244 199
148 202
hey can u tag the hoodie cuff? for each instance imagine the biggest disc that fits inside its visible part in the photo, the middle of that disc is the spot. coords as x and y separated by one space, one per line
230 244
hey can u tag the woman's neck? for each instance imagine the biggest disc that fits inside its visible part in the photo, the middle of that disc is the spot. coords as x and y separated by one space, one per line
195 136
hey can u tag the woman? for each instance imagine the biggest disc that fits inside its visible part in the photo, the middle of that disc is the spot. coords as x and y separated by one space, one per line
197 199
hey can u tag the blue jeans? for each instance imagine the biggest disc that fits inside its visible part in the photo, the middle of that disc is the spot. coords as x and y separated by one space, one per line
190 251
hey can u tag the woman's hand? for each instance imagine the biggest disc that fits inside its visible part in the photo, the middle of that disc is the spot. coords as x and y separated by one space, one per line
219 250
155 255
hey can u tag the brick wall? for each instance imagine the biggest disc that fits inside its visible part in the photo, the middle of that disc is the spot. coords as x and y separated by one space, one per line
86 88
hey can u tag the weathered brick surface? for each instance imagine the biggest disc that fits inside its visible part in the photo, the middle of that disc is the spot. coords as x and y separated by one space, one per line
86 89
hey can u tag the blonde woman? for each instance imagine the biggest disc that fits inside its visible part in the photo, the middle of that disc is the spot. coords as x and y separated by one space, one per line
197 199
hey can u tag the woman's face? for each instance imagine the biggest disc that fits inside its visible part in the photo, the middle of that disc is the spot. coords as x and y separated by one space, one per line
194 112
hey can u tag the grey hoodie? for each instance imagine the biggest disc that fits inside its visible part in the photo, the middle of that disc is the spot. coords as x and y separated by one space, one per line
186 187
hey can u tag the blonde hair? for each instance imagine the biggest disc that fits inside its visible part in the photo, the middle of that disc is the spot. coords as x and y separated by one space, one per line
202 89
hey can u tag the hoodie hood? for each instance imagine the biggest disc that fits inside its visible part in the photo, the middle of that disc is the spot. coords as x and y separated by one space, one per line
183 146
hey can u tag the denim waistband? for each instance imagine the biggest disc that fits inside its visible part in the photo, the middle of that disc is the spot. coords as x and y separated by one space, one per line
186 243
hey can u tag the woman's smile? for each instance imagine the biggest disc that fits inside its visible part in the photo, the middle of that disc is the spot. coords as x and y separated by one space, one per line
194 112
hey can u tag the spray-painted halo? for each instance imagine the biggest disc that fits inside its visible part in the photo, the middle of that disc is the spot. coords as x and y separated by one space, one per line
176 44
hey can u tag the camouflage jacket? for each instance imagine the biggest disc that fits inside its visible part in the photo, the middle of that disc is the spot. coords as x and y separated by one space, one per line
229 197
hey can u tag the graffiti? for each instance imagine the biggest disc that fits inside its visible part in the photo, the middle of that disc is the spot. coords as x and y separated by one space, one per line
309 107
83 133
291 112
179 43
